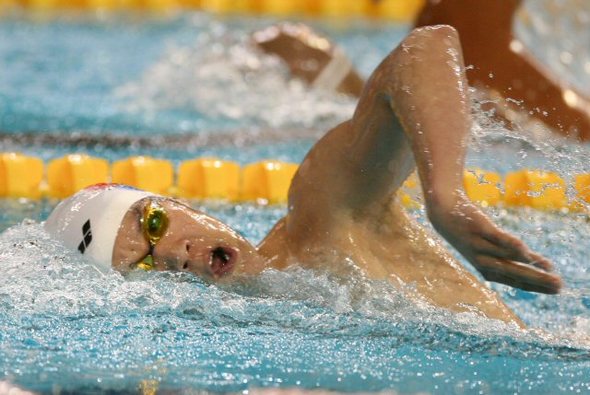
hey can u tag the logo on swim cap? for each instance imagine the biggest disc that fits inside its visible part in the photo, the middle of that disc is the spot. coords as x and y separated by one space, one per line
87 237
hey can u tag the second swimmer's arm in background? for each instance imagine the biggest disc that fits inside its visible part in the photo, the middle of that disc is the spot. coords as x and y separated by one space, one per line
313 58
488 44
355 169
501 63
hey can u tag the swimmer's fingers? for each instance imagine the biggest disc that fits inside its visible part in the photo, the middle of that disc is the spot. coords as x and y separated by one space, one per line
539 261
504 245
518 275
512 249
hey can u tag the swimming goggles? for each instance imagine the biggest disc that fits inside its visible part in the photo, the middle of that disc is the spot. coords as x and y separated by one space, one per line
154 224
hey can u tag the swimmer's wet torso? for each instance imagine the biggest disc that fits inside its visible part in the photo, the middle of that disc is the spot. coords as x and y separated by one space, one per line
342 214
391 247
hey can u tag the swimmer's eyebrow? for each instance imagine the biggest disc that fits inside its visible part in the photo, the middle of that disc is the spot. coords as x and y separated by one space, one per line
138 206
137 209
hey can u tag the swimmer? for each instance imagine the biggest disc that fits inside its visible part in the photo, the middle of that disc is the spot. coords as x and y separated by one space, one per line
502 65
488 43
343 214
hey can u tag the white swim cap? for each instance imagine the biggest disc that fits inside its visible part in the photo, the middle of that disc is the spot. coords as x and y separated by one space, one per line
89 220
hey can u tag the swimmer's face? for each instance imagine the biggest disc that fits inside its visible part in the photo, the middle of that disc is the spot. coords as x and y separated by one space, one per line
181 239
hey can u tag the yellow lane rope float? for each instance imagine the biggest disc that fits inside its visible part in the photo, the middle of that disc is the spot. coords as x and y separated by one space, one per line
397 10
265 182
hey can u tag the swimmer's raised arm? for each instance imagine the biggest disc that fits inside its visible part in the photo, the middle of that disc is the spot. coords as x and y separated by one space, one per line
434 108
420 85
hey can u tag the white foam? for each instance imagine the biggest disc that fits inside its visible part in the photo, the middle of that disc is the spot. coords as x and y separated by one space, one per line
44 279
558 32
224 76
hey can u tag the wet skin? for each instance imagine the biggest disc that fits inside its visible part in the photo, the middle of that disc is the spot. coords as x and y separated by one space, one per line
193 242
305 52
490 46
343 215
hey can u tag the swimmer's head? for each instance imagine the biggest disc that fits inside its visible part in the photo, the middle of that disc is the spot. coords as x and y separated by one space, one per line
133 229
89 220
191 241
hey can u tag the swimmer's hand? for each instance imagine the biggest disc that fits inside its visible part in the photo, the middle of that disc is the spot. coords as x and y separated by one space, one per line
497 255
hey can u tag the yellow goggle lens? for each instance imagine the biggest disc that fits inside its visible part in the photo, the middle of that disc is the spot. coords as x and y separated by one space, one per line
147 264
155 222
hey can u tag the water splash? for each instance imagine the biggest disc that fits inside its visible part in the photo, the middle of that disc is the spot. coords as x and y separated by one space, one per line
558 33
57 310
529 144
224 76
65 325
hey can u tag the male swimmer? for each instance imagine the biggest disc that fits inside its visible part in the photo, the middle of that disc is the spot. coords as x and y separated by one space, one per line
342 214
501 65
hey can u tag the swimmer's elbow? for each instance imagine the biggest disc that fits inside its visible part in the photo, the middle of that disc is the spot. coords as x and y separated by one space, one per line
419 46
433 32
421 42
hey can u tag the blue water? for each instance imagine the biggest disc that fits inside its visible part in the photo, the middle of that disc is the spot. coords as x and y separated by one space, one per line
66 326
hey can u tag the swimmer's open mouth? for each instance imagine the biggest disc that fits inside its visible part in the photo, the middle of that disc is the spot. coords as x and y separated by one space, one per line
222 260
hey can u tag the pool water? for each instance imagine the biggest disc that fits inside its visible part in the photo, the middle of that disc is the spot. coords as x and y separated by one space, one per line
64 326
